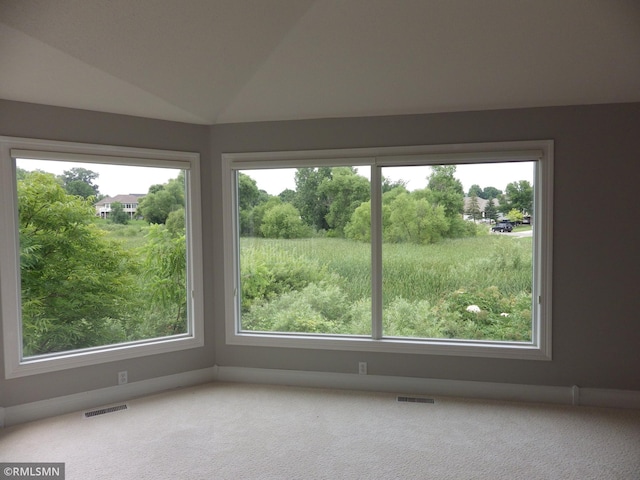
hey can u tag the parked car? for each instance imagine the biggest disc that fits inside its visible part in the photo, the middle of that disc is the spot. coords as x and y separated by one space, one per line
502 227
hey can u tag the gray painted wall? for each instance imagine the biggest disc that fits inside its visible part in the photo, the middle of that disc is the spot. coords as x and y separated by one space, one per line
596 329
596 311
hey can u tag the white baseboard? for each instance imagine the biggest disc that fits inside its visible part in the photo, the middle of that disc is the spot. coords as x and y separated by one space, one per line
101 397
569 395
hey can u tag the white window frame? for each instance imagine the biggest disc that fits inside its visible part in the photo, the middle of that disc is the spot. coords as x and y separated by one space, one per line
539 151
12 148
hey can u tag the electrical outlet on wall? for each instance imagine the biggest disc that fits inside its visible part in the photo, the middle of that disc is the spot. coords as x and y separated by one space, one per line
122 378
362 368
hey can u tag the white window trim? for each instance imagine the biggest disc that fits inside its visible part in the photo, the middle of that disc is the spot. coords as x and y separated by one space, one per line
534 150
13 147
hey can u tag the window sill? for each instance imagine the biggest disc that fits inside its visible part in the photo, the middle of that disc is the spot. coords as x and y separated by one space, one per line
86 357
448 347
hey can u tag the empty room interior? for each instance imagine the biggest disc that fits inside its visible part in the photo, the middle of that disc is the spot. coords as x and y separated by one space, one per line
320 239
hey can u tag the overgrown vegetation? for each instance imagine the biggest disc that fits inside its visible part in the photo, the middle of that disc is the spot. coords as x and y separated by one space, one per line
305 261
322 285
90 282
305 258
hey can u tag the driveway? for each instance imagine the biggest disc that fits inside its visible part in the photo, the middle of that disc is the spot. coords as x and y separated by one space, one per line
522 234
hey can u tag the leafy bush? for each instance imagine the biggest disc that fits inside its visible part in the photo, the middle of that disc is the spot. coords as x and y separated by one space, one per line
318 308
74 280
283 221
409 218
359 227
176 222
265 276
427 289
416 220
165 277
501 316
404 318
118 215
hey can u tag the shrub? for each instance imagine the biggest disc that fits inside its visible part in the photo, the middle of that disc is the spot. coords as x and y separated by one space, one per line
266 276
176 222
318 308
403 318
359 227
427 288
283 221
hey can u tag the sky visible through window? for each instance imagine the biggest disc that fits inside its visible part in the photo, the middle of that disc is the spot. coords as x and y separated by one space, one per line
113 179
117 179
497 175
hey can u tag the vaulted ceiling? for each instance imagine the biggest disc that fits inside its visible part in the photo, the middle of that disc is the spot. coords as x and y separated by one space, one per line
221 61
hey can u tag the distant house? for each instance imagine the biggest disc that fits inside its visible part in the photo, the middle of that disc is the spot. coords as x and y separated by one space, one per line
129 204
482 204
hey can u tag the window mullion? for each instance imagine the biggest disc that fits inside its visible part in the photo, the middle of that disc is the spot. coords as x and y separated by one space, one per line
376 252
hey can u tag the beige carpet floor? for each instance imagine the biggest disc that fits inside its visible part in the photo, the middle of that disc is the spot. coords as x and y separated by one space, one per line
239 431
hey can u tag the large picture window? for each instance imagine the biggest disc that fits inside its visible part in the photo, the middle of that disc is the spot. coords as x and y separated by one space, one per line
443 249
98 256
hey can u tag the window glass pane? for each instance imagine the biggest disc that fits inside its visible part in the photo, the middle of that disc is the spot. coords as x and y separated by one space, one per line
457 251
299 271
453 252
102 254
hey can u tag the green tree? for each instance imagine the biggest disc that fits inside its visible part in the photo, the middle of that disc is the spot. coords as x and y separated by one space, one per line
388 184
406 217
473 208
312 204
447 190
249 197
161 200
176 222
475 190
345 191
118 215
165 281
490 192
415 220
359 227
519 196
21 173
389 196
490 210
288 196
283 221
251 220
515 216
76 285
79 181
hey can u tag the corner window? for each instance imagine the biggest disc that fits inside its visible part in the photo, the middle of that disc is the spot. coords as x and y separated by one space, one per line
441 250
86 277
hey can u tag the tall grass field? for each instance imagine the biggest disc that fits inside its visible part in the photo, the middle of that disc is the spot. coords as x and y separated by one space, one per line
470 288
131 235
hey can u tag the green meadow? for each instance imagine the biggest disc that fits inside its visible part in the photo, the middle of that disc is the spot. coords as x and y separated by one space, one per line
469 288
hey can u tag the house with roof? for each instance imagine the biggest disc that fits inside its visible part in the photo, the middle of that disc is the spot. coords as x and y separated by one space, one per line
482 205
129 204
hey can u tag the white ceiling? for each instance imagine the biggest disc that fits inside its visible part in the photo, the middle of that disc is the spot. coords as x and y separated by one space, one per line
222 61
